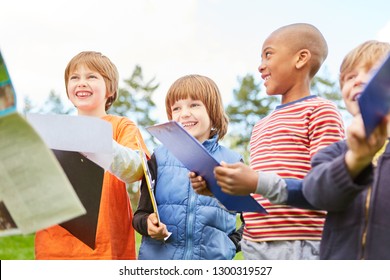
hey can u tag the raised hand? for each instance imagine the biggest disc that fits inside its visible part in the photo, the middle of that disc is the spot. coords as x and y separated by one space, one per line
362 149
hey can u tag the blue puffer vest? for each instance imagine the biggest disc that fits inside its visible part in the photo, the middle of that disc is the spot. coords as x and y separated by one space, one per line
199 225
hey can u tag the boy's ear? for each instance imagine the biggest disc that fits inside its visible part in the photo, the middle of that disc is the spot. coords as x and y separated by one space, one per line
303 58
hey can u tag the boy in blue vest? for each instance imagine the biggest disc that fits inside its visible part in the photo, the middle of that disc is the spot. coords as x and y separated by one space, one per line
201 227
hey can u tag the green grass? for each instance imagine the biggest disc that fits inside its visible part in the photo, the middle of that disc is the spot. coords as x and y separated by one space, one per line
21 247
17 247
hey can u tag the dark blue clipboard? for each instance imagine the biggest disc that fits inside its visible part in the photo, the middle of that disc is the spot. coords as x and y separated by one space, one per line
374 102
196 158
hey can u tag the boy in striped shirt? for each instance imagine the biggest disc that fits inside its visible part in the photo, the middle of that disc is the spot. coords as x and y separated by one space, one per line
343 180
285 141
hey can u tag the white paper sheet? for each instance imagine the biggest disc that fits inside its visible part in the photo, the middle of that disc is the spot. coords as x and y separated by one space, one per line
88 135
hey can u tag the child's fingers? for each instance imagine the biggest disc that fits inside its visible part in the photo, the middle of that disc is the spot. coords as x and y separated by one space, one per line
153 218
192 175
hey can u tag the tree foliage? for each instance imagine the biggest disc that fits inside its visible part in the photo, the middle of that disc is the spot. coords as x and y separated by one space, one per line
55 105
52 105
135 100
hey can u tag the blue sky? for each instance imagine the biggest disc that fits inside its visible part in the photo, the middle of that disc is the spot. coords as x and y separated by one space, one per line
168 39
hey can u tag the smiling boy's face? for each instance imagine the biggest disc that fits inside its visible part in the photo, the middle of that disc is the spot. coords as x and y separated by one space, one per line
354 82
357 68
193 116
87 91
278 65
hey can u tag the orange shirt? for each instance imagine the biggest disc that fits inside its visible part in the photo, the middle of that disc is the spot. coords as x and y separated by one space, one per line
115 236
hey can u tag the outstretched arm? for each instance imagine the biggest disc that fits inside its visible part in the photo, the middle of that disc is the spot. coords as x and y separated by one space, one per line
240 179
126 164
236 178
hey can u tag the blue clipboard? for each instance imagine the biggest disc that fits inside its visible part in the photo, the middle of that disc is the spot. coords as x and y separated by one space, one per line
374 102
196 158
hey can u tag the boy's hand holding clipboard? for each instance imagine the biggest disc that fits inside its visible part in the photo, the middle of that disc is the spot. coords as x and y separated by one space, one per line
150 183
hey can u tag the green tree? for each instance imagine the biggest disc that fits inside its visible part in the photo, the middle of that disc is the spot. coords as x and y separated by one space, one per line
28 105
53 104
135 99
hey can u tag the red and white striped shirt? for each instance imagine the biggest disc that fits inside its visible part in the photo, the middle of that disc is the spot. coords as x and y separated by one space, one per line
284 142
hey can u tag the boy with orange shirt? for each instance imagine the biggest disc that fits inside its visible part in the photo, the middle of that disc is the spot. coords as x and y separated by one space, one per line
91 81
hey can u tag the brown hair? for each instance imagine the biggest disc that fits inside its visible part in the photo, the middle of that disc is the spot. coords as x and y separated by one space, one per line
201 88
103 65
365 55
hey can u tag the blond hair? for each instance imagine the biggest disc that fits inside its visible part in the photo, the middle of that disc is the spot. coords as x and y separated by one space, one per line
364 55
197 87
103 65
